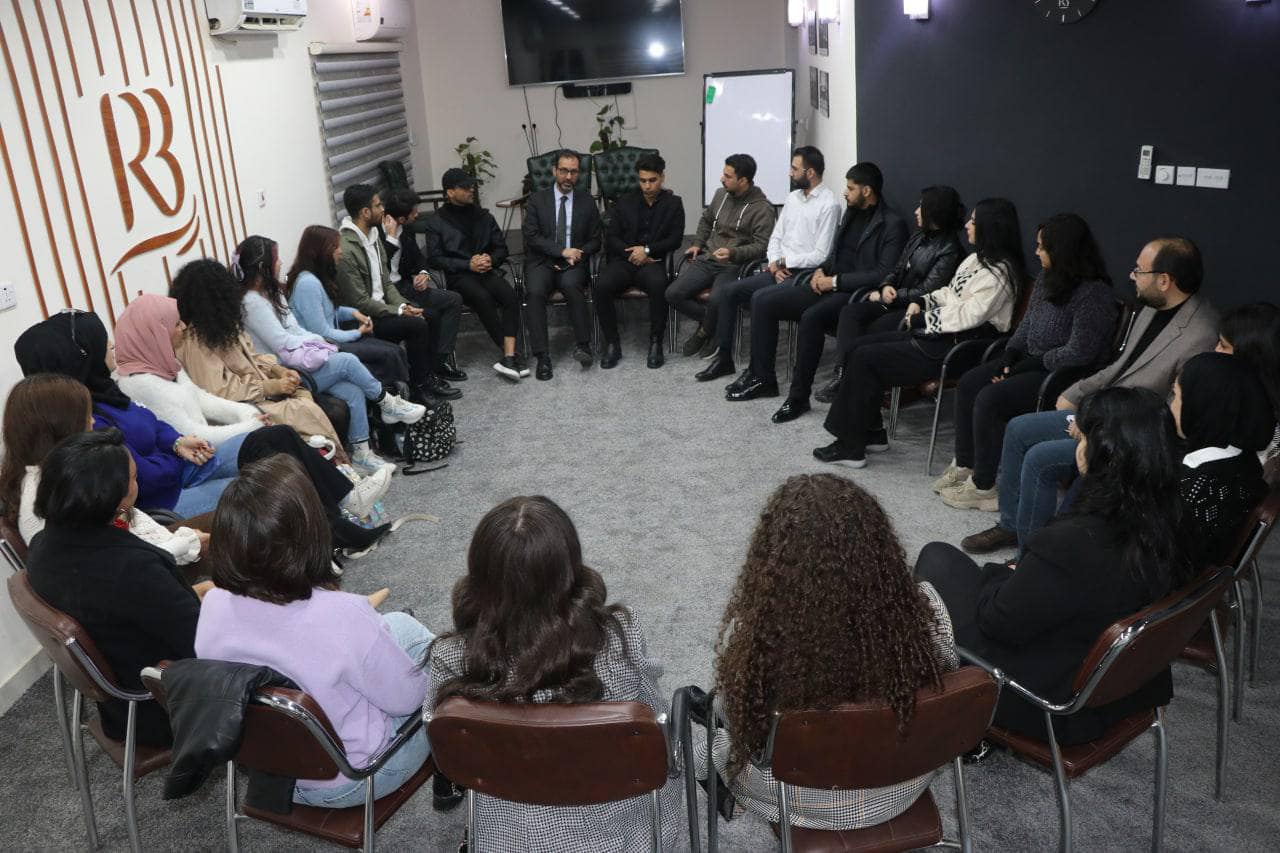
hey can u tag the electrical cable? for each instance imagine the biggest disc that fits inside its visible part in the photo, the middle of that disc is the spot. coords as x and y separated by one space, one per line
555 102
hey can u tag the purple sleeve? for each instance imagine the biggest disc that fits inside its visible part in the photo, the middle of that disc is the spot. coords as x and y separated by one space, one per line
387 676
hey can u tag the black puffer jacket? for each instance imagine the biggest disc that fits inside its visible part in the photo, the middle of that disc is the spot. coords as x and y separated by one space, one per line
927 262
453 234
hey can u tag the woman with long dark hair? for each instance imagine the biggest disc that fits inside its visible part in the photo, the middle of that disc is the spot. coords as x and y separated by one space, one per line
1121 546
1252 332
273 329
979 301
824 611
531 624
1069 322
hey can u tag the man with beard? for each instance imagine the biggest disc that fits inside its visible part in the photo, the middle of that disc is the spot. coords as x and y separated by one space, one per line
1175 323
800 241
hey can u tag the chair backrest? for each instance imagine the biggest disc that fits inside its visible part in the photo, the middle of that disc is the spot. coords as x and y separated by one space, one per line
13 539
540 176
1256 528
1126 316
394 176
1132 651
552 754
61 637
858 745
616 170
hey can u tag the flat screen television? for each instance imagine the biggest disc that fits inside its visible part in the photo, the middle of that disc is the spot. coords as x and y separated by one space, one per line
565 41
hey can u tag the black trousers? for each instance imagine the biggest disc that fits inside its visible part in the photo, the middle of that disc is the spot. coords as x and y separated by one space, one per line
385 360
816 313
864 318
493 299
442 309
728 297
983 408
875 363
415 333
540 281
616 277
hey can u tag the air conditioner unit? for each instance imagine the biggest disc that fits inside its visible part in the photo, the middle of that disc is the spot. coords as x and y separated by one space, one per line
380 20
249 17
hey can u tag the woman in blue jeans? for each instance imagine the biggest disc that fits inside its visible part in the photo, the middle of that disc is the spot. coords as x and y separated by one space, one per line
277 604
275 331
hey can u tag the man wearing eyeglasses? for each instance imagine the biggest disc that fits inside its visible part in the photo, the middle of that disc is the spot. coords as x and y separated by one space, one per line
561 233
1173 324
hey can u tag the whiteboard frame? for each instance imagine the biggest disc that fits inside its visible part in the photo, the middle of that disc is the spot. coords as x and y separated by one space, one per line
791 128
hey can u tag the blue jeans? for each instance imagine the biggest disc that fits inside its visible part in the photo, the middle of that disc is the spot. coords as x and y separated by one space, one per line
414 637
1037 456
202 485
346 378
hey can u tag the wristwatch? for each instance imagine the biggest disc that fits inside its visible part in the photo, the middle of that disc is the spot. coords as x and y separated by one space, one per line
646 251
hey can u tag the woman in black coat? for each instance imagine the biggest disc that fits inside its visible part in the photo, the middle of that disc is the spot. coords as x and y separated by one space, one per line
128 595
1121 547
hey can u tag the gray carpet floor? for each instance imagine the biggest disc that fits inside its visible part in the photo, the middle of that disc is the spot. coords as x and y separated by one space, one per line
664 480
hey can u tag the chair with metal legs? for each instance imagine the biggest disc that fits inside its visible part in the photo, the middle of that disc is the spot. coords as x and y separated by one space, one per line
553 755
1128 654
78 659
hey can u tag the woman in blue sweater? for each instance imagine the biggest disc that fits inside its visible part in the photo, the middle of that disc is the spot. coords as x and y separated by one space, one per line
1068 323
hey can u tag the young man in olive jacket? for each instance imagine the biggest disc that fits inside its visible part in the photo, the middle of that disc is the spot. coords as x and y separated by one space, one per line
645 226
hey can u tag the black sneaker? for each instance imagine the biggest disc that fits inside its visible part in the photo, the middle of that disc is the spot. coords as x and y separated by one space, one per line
508 368
878 441
523 366
836 453
445 795
695 342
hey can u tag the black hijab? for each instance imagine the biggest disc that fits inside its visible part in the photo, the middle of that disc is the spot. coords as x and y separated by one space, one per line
73 343
1224 404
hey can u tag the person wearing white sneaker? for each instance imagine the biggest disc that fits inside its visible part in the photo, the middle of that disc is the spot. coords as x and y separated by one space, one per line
968 496
360 500
953 476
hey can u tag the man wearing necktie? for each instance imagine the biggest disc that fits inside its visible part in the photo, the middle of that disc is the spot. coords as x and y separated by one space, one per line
561 233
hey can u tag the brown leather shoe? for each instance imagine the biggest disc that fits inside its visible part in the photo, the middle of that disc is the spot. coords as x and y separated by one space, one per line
991 539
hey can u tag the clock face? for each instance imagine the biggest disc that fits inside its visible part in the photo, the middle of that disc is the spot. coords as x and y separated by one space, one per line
1064 11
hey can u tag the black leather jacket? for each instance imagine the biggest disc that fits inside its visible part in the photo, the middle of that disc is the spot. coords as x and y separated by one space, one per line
927 262
449 248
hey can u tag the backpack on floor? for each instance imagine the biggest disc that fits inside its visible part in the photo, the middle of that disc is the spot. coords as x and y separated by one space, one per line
431 439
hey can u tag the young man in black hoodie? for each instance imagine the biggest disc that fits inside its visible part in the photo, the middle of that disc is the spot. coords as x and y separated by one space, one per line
464 241
646 226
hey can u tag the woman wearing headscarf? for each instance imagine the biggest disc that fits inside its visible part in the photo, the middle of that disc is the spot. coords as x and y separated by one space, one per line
181 473
1222 410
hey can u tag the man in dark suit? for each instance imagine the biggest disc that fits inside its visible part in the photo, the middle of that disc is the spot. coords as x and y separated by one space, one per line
561 233
647 225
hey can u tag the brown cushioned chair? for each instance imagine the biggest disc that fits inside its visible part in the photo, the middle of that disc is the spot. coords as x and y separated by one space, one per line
76 657
1127 655
552 755
286 733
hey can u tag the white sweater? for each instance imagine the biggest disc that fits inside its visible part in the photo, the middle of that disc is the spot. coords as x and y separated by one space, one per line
188 408
182 543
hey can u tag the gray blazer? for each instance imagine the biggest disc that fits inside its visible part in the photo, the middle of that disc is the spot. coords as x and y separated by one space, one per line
1193 331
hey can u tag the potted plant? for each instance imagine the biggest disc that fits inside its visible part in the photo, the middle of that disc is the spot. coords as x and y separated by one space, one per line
476 162
608 130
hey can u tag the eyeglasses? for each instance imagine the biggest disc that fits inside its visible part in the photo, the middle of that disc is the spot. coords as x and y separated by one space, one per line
1137 271
567 171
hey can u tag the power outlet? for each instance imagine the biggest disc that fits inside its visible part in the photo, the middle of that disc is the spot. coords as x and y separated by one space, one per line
1186 176
8 296
1214 179
261 198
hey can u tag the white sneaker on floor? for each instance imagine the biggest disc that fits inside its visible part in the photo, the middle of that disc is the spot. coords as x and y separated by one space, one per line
953 476
322 444
364 458
968 496
397 410
360 500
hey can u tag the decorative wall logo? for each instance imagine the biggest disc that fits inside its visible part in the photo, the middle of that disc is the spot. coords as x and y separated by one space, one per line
117 132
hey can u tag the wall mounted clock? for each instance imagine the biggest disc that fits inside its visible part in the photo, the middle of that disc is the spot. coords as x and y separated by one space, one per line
1064 11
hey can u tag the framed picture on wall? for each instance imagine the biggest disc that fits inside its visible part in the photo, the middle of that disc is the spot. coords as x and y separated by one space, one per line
813 87
811 23
824 92
824 36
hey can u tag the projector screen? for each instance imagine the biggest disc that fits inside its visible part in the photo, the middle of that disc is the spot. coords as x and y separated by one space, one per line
564 41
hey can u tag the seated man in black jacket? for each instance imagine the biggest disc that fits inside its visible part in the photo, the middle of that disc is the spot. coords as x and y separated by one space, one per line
441 309
464 241
645 226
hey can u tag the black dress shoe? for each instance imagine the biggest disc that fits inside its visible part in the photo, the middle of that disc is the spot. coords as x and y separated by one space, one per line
790 410
441 390
544 366
754 390
721 365
449 370
656 356
611 356
741 382
827 393
582 352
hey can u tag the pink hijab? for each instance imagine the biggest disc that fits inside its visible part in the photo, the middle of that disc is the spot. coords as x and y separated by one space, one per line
143 343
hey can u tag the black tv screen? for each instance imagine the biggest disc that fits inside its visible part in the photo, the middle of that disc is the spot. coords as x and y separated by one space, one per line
563 41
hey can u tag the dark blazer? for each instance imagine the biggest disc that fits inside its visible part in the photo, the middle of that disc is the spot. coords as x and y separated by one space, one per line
540 227
879 246
927 262
449 247
129 597
666 231
1039 622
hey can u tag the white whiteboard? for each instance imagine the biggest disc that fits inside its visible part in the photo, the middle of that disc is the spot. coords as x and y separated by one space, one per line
748 112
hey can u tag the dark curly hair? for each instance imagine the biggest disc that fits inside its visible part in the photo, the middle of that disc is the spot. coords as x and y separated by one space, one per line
208 298
533 616
825 611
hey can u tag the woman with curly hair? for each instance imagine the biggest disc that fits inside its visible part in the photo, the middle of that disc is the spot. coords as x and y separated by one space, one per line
531 625
825 611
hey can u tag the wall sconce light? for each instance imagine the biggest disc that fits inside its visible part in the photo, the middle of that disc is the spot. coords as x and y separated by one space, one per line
795 13
916 10
829 10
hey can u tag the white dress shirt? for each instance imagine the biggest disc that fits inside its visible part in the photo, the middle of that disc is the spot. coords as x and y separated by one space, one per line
806 228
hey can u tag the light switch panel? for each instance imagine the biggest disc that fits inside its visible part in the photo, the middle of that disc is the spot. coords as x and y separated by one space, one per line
1186 176
1214 179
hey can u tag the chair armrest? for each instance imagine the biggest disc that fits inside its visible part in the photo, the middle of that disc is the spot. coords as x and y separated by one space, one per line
511 202
406 731
108 687
753 267
1002 678
997 348
1056 382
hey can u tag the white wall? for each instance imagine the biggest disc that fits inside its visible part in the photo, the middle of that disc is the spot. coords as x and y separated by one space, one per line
271 115
465 83
835 135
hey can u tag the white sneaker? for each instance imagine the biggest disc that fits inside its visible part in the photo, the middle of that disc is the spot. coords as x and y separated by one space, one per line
396 410
360 500
363 457
968 496
322 444
953 476
508 368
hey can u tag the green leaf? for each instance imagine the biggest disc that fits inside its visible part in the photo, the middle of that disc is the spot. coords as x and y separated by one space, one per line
603 110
